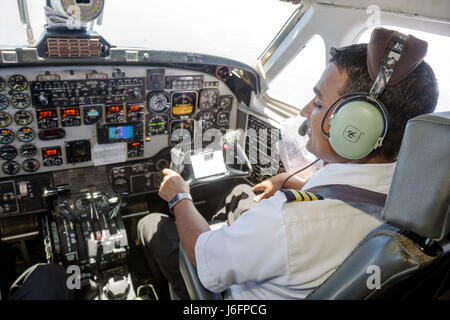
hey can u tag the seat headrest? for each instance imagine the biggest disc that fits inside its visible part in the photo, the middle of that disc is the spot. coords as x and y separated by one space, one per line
419 197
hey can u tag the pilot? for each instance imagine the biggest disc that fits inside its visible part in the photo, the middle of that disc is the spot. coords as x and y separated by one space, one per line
281 248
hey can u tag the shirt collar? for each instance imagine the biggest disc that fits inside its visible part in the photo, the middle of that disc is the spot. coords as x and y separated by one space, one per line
373 176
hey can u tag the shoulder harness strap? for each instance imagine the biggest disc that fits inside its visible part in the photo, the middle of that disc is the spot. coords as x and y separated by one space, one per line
370 202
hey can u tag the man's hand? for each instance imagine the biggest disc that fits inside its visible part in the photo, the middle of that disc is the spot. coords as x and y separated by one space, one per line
172 184
269 186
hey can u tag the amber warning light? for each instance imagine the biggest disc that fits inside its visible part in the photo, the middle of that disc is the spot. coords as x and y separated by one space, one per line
50 153
46 114
134 108
70 113
113 109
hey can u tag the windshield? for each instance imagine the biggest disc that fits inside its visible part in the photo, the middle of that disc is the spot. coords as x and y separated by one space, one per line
235 29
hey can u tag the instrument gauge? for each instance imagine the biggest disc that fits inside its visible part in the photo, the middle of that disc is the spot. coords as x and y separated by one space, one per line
225 102
92 114
10 167
23 118
31 165
207 118
6 136
183 103
157 124
158 102
8 152
2 84
181 130
208 98
87 10
20 100
25 134
223 118
5 119
4 102
28 150
17 82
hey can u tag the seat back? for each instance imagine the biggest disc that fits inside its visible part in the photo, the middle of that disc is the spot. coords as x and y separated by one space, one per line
386 265
418 202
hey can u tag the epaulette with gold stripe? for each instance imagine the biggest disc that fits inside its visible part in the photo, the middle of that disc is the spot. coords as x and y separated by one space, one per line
299 195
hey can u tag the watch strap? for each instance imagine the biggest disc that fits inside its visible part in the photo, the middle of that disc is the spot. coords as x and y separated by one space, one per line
177 198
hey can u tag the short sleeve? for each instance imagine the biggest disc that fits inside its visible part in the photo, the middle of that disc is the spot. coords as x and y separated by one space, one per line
253 249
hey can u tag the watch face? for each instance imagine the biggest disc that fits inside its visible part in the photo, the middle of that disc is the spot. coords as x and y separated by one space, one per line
178 197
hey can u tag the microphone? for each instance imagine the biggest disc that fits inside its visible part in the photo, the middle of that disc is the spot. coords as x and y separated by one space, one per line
303 128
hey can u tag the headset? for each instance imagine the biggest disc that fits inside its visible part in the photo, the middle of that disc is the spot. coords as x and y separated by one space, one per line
359 122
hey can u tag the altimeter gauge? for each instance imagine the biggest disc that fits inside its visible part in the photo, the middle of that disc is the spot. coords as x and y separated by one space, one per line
158 102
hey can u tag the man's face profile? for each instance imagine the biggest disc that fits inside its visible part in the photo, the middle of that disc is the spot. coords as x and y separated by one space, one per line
327 90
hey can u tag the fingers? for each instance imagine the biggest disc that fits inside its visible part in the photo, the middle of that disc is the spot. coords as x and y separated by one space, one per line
261 196
167 172
259 187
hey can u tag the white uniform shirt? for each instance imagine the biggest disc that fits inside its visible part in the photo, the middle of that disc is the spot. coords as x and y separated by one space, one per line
282 250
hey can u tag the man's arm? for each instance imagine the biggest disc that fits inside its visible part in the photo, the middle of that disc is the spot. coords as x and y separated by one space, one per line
269 186
190 223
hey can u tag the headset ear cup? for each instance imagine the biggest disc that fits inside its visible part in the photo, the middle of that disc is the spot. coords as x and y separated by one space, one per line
357 127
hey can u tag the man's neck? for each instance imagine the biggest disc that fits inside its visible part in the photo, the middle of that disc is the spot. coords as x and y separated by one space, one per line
366 160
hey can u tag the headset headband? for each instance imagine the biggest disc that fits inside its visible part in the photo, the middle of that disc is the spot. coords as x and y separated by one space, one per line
393 52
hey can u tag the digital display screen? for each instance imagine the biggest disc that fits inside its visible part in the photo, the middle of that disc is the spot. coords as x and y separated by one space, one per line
183 103
51 152
44 114
134 108
114 109
78 151
120 132
71 112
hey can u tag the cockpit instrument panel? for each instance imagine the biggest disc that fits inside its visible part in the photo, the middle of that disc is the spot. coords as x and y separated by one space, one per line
56 118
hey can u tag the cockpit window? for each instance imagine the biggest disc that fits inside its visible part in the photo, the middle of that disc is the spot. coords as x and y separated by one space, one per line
234 29
437 58
293 85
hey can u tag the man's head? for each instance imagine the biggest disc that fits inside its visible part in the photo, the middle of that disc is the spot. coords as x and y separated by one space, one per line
347 72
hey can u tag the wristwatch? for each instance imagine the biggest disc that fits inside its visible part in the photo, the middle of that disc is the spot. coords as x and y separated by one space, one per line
177 198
